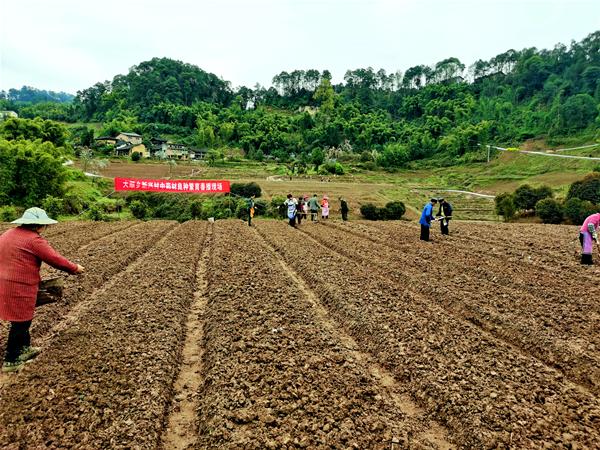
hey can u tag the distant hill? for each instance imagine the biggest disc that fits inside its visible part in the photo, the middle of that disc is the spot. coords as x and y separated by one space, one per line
28 94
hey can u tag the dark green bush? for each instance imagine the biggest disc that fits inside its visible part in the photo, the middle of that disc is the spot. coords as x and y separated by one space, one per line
586 189
393 211
138 209
549 210
196 209
246 189
370 212
136 156
577 210
526 197
505 205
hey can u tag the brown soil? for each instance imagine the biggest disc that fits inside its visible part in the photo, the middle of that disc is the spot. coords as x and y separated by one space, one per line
336 335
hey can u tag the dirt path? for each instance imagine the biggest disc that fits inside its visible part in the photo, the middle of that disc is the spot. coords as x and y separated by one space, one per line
182 428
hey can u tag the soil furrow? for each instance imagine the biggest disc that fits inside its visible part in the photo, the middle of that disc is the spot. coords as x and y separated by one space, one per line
487 393
435 433
106 380
461 296
276 375
182 428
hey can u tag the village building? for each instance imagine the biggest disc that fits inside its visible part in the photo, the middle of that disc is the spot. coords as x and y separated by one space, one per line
161 148
131 138
128 149
106 140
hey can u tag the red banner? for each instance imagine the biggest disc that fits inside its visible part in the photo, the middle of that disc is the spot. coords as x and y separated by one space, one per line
189 186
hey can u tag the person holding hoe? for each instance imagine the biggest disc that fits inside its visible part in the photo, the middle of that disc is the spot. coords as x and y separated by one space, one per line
426 219
588 233
22 251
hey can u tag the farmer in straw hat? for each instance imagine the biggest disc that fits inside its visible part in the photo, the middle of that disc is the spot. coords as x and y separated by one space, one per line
22 251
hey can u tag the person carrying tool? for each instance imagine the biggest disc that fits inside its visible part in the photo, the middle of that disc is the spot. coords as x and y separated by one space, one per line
444 214
426 219
588 233
22 251
292 207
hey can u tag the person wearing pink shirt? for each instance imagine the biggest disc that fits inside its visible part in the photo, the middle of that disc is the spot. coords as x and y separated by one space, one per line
588 233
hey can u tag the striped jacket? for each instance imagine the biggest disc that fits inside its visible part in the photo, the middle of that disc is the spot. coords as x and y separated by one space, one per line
22 252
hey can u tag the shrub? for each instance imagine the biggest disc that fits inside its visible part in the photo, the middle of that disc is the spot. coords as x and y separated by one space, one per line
96 212
393 211
577 210
196 209
246 189
74 203
261 207
586 189
370 212
549 210
136 156
332 167
526 197
276 207
138 209
53 206
8 214
505 205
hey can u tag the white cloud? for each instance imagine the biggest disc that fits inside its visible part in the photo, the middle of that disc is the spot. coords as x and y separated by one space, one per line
70 45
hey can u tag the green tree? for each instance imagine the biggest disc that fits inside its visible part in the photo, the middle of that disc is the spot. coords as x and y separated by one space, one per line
30 171
577 210
577 112
317 156
586 189
549 210
505 205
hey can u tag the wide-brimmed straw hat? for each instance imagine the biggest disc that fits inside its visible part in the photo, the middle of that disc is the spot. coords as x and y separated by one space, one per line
34 216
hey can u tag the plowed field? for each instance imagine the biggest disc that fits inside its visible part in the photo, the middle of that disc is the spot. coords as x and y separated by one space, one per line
333 335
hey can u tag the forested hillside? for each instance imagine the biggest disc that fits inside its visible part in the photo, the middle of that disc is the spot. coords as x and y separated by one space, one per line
444 110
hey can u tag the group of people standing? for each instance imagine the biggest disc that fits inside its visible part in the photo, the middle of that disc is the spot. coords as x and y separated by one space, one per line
444 215
299 208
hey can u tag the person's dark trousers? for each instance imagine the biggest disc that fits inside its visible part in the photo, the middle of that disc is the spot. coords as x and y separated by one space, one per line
293 221
424 233
299 218
444 227
586 258
249 219
18 339
313 215
344 216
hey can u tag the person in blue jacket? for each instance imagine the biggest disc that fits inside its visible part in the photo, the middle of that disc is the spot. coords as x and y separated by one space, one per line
426 218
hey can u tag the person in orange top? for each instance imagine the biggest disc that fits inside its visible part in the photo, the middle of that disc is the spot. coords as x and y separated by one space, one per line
22 251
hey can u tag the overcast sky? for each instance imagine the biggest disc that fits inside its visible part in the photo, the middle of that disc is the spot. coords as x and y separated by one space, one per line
68 45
